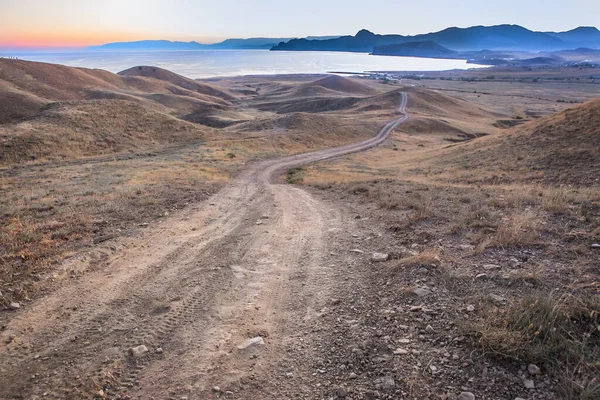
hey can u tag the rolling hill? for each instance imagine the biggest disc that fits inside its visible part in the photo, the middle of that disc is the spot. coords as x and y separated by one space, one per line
561 148
54 111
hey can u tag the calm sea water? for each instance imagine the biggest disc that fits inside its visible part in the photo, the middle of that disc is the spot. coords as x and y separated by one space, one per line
214 63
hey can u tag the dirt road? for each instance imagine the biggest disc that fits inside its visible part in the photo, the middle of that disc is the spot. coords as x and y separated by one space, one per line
257 260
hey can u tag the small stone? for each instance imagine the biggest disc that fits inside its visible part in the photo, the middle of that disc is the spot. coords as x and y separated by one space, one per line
357 251
159 350
216 389
257 341
385 383
14 306
533 370
400 351
429 328
490 267
528 383
264 217
404 341
481 276
596 246
421 292
138 351
416 308
352 375
498 299
466 396
341 392
379 257
259 222
470 308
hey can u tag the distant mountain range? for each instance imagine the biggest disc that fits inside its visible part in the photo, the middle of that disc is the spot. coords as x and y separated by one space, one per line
498 37
229 44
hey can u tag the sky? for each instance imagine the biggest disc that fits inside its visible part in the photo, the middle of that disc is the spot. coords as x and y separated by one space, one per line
80 23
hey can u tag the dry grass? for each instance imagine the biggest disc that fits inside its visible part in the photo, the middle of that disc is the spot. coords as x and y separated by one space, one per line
520 229
56 210
552 330
427 258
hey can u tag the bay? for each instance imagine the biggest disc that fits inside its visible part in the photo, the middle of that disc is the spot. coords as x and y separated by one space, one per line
221 63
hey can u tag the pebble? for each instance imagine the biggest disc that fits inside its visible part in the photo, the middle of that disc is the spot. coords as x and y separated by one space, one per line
216 389
341 392
421 292
379 257
257 341
470 308
489 267
596 246
14 306
533 370
352 375
385 383
481 276
528 383
400 351
138 351
430 328
356 251
159 350
466 396
498 299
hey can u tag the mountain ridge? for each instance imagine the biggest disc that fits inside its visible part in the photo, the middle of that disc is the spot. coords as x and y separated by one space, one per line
474 38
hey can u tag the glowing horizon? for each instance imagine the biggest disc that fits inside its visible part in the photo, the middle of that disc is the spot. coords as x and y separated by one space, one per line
77 23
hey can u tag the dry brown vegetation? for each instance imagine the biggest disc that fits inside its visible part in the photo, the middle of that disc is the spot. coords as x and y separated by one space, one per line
523 201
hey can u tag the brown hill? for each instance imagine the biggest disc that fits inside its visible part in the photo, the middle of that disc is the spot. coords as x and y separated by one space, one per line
25 87
76 129
178 80
563 148
54 111
343 85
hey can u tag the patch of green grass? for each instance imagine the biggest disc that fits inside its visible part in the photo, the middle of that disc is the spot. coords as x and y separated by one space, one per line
295 176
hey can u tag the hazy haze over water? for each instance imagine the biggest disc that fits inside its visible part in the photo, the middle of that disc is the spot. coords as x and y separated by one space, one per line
214 63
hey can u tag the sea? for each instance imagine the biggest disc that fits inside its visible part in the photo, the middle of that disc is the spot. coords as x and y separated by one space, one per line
199 64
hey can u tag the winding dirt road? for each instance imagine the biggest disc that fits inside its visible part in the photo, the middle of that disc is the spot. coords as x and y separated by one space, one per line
252 261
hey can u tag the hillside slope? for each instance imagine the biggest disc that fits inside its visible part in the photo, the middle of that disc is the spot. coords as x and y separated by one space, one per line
563 148
50 111
25 87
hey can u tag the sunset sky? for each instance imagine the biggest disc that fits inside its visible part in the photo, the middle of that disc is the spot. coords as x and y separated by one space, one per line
77 23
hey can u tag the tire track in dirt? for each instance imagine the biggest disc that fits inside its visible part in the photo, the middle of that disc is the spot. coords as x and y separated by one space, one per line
197 285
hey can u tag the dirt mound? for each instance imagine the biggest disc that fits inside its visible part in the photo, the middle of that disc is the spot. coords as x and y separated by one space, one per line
68 130
178 80
341 84
562 148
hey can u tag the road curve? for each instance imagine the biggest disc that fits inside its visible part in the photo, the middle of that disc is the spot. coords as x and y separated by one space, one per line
269 169
256 259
